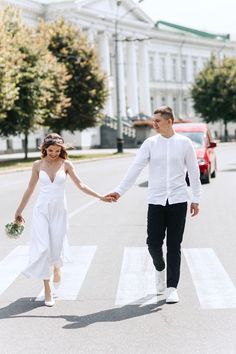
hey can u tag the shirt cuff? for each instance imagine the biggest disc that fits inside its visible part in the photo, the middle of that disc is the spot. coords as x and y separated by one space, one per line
195 200
119 191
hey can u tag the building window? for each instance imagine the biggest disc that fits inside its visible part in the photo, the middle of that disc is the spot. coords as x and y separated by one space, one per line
38 142
23 143
184 70
185 107
151 69
163 69
174 69
163 101
9 144
174 104
195 69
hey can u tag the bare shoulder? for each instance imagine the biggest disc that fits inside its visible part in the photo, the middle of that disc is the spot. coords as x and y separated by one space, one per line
68 165
36 165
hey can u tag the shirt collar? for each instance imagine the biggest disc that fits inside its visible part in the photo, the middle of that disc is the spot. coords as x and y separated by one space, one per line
170 138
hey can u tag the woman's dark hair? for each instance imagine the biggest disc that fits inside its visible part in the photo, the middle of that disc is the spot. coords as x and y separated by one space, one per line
54 139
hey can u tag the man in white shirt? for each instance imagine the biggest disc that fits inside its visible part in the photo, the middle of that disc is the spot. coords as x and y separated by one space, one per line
169 156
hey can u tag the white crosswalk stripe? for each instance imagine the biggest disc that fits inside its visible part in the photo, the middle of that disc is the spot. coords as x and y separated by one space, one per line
214 287
73 273
12 265
136 284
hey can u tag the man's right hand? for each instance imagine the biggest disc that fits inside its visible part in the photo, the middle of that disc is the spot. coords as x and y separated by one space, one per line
114 195
194 209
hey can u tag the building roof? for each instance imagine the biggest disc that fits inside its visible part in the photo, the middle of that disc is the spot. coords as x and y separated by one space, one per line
193 31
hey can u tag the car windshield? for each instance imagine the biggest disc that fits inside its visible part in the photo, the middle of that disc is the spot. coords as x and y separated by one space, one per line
196 137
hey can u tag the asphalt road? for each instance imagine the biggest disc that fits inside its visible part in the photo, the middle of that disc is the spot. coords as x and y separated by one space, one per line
109 304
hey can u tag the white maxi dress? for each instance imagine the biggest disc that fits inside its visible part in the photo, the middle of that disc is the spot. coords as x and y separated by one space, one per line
49 226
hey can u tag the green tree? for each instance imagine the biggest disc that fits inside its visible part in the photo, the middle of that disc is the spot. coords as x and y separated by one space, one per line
213 91
38 89
86 87
10 61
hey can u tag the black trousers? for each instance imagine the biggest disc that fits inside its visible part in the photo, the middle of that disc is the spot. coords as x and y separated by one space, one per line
169 221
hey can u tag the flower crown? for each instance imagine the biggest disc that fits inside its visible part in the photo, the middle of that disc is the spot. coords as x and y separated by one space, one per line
56 140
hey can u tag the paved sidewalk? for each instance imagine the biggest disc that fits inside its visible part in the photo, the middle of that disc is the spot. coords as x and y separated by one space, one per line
20 155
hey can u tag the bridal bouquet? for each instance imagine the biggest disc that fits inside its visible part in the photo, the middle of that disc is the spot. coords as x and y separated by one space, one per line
14 229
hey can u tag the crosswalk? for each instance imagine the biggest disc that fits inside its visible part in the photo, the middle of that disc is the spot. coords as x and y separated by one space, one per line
137 277
11 266
136 283
74 273
213 285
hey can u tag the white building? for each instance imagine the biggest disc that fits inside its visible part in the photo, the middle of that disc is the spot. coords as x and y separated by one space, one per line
156 66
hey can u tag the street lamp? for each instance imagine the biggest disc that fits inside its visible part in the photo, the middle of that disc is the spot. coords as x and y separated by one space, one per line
120 140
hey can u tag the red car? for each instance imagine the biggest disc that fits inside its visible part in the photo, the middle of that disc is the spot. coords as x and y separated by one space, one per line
202 140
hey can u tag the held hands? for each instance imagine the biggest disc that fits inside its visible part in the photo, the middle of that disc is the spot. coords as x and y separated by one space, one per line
194 209
114 195
110 197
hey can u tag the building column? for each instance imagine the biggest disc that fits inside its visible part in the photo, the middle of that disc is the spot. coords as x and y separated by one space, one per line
144 91
90 34
120 79
104 51
132 82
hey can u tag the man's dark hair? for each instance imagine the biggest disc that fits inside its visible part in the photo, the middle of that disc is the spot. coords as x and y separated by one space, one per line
166 112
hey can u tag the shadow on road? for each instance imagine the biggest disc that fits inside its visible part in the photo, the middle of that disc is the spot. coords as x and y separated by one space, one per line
113 315
18 307
21 306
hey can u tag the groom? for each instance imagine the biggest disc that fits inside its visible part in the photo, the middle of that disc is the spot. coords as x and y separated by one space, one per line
169 155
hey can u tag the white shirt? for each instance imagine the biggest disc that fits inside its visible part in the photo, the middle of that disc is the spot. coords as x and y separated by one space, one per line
168 159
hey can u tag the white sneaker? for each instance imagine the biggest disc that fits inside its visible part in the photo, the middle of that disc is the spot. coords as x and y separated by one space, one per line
171 296
160 281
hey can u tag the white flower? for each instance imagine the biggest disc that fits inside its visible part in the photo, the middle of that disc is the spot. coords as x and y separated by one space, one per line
14 230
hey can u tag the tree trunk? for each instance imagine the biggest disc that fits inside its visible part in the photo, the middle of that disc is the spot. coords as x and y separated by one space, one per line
26 144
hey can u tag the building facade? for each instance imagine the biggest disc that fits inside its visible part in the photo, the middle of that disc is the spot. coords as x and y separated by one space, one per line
146 65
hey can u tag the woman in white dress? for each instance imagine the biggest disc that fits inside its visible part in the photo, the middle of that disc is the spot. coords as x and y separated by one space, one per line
49 222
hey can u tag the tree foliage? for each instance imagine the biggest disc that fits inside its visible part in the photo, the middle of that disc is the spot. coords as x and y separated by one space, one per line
32 78
10 61
86 87
48 77
213 91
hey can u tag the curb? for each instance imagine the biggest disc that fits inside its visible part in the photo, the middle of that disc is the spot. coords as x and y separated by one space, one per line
22 169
